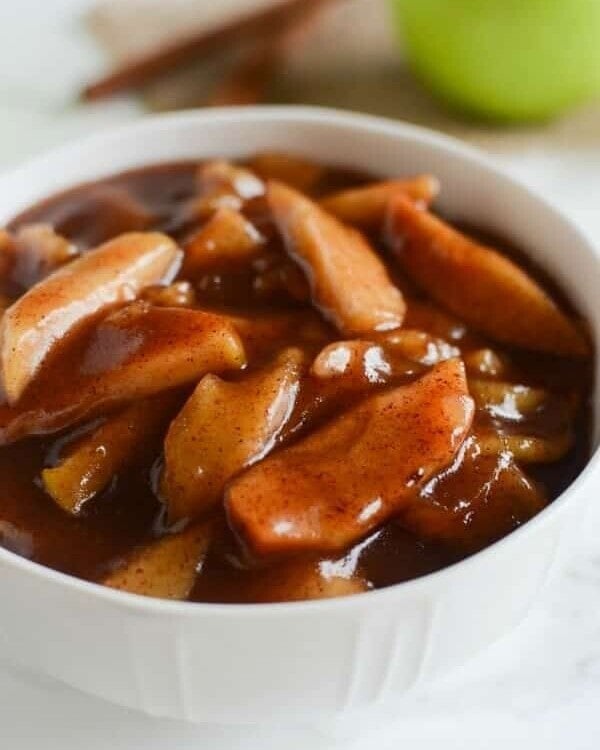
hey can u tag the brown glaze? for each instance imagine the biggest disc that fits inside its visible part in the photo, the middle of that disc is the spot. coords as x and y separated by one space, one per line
469 496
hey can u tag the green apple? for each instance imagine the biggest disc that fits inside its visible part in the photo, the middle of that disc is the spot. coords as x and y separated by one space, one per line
504 59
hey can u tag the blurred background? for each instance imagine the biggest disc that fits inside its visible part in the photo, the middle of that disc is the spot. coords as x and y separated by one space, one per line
519 77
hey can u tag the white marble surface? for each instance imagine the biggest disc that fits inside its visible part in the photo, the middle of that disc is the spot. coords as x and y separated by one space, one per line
537 688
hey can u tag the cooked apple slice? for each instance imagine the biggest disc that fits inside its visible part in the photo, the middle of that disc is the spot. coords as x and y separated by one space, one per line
40 251
220 177
226 239
263 333
418 346
507 400
260 333
515 409
359 367
349 283
113 273
32 253
354 368
423 315
366 207
199 209
332 488
486 363
301 580
220 185
475 282
140 349
166 569
353 363
135 352
177 294
526 449
478 500
295 171
223 428
93 460
397 354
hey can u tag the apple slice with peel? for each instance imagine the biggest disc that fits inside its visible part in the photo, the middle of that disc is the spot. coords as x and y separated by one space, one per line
481 286
349 283
166 569
331 489
115 272
223 428
366 207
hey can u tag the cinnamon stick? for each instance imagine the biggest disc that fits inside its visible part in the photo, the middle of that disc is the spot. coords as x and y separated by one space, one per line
248 81
260 23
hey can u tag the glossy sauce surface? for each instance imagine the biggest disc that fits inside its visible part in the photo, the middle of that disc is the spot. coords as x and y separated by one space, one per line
468 505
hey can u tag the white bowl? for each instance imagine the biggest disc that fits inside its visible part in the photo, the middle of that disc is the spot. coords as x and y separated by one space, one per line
261 663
